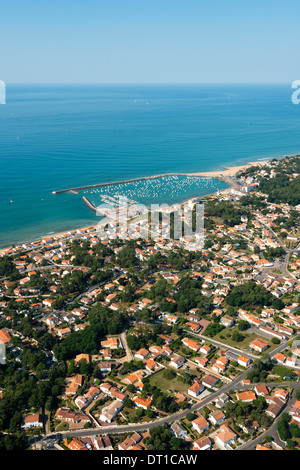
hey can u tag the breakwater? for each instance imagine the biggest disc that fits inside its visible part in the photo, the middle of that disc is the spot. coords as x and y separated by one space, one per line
89 204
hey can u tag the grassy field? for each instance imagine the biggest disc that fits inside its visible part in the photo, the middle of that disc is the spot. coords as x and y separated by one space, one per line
225 336
164 384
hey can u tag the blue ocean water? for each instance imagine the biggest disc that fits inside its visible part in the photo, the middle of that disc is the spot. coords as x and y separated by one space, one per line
56 137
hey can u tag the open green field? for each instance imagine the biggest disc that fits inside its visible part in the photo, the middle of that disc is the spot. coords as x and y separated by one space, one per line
225 336
164 384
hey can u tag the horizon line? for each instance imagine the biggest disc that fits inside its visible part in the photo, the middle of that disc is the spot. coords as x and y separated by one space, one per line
143 83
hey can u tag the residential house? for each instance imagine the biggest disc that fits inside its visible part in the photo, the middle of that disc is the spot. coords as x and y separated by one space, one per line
32 421
178 430
196 389
225 436
204 443
200 424
177 361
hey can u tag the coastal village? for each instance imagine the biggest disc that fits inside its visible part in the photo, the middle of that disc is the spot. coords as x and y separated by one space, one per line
150 343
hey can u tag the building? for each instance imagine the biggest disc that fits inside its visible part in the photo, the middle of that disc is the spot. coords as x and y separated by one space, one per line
189 343
32 421
210 381
216 417
258 345
177 361
75 444
203 444
205 349
141 354
103 443
227 321
67 415
247 396
196 389
221 400
261 390
4 336
200 424
224 437
178 430
142 402
130 442
295 412
111 343
279 357
244 361
275 407
110 412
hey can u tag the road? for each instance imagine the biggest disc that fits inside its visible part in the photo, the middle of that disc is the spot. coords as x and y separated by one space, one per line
272 430
218 344
114 429
288 251
129 356
234 385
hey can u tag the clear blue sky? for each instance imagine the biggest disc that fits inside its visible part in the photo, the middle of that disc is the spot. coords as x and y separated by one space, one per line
149 41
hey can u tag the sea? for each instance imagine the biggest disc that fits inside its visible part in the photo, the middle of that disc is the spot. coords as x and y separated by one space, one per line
55 137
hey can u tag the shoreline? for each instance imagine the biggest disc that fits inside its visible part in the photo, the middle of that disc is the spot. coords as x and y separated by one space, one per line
227 172
232 170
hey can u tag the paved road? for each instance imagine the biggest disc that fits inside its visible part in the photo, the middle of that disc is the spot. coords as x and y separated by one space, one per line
234 385
129 356
272 430
146 426
218 344
115 429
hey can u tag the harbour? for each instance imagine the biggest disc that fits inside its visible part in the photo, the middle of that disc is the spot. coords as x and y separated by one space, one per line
114 183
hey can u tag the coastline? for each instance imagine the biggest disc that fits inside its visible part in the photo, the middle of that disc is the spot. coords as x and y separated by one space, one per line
232 170
226 172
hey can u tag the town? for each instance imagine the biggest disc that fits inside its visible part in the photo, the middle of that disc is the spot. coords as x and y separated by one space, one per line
140 343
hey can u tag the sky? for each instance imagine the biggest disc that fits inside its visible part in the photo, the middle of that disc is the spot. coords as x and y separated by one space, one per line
149 41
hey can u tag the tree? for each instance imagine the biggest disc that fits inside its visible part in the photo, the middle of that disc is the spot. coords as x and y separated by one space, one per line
149 413
275 340
177 444
190 416
243 325
213 328
139 412
128 403
283 427
238 337
126 257
250 296
130 388
169 374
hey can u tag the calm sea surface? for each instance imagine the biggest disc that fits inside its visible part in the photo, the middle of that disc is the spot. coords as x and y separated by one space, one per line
55 137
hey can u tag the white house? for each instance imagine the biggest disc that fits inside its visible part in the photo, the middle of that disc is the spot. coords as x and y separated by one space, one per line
196 389
32 421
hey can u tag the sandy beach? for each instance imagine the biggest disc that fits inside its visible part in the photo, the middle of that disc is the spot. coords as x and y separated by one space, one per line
231 171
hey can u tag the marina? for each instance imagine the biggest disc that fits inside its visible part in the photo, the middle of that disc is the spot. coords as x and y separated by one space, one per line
161 189
114 183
